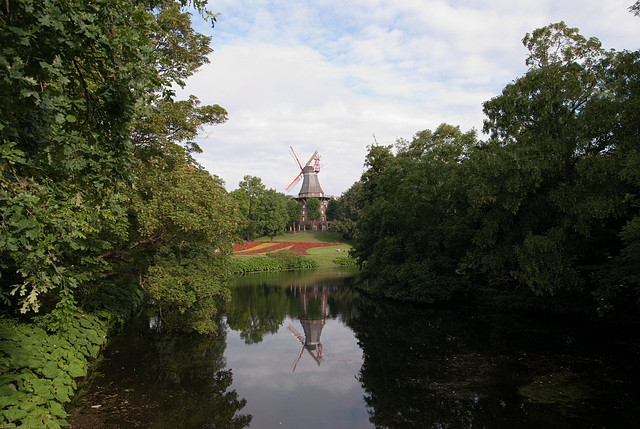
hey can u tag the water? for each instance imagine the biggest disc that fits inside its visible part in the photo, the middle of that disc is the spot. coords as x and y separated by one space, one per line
306 350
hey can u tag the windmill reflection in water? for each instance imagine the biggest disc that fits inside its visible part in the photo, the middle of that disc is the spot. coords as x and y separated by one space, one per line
312 327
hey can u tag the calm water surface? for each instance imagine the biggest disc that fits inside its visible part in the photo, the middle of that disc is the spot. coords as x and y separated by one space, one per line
306 350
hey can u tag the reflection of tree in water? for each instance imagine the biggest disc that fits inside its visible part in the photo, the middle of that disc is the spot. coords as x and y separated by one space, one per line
452 369
257 310
260 308
193 371
156 377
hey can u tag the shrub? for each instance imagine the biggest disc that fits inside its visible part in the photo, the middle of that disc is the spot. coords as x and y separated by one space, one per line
345 260
273 261
37 369
292 261
256 264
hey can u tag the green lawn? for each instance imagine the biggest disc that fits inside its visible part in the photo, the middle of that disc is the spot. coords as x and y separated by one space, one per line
307 237
324 256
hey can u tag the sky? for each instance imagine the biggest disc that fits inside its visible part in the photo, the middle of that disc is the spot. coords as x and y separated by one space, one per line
337 76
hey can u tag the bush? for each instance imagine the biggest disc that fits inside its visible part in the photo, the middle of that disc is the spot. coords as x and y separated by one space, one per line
273 261
345 260
292 261
244 265
37 369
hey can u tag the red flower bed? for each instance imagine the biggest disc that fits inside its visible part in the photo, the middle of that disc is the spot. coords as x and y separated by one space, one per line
246 246
296 247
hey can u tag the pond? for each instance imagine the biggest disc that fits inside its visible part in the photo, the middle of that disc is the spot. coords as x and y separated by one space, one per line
307 350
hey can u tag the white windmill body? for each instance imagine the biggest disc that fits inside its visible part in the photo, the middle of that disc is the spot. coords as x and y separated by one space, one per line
310 189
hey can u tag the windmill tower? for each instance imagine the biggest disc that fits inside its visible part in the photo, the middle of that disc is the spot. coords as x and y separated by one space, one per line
310 189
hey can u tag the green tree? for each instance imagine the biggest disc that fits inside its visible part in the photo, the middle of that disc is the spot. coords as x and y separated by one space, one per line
72 74
240 198
619 282
88 124
313 208
293 211
270 214
412 230
253 190
332 209
347 211
544 192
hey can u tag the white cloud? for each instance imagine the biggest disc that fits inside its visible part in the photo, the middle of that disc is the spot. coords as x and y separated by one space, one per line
328 74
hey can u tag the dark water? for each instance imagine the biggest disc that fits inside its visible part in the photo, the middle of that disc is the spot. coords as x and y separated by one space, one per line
306 350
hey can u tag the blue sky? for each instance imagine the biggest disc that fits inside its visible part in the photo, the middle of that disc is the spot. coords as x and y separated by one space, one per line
327 75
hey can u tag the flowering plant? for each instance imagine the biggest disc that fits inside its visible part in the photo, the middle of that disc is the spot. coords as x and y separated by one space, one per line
259 248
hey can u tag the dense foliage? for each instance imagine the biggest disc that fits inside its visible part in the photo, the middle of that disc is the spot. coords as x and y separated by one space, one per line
98 185
549 201
97 178
347 211
267 211
313 208
272 261
38 369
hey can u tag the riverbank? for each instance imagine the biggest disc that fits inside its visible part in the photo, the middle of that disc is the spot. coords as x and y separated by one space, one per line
44 361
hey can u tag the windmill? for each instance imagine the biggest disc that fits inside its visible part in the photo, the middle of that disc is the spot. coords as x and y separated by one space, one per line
310 184
310 189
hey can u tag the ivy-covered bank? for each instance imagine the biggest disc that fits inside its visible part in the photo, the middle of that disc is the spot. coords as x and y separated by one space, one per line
39 368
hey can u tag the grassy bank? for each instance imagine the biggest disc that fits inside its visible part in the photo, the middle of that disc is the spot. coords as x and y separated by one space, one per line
323 256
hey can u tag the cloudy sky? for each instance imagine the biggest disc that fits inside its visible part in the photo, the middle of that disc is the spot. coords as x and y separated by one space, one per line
328 75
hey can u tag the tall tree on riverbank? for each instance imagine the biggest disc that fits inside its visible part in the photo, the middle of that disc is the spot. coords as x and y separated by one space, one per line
548 197
347 211
547 202
94 150
412 233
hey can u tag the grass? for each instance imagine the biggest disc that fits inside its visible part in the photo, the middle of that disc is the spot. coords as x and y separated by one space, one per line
324 256
307 237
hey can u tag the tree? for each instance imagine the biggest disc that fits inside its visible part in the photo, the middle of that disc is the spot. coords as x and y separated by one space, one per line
313 208
270 214
332 209
293 211
240 198
253 190
72 74
545 194
619 282
90 149
347 211
184 223
412 230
